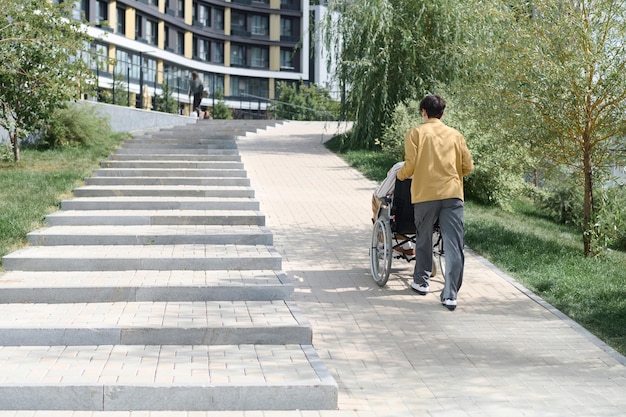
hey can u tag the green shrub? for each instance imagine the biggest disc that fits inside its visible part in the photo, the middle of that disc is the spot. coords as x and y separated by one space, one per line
498 163
404 117
76 123
221 110
610 221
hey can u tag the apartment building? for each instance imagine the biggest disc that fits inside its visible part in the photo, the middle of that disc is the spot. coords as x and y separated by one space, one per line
242 48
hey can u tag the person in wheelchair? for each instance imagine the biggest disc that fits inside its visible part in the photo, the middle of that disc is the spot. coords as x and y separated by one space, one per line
437 158
386 189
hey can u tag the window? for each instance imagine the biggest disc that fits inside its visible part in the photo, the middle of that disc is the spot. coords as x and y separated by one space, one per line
218 19
80 9
260 25
151 32
99 55
290 4
238 55
286 59
201 49
102 11
218 53
121 64
238 24
180 9
180 43
138 27
258 58
149 69
121 20
166 38
240 86
202 15
286 28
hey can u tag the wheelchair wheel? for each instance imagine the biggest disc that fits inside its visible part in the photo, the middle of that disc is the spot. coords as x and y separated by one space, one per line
438 253
381 252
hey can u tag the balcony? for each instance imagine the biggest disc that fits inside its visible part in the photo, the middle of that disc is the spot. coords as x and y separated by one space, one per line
289 38
290 5
240 32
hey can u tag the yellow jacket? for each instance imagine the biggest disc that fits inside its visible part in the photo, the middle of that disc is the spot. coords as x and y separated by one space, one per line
437 158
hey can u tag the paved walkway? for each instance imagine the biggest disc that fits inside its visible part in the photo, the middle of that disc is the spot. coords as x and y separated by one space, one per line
502 352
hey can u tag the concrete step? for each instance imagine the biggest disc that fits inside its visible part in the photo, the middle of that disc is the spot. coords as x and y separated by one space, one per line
170 172
172 164
155 217
164 191
165 377
133 257
158 203
174 155
151 235
143 285
211 181
164 143
154 323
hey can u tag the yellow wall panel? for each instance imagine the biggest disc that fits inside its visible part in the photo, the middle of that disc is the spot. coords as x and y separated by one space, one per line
274 27
130 23
274 58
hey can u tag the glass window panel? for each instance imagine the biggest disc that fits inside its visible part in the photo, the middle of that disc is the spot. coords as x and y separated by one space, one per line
259 57
237 55
260 25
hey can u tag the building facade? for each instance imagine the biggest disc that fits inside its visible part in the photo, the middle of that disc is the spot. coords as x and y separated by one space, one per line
241 48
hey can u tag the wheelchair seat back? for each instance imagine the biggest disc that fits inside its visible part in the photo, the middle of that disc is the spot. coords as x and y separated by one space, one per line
402 208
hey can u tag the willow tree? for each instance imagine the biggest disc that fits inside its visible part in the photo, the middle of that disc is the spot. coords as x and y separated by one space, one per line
553 73
385 52
40 70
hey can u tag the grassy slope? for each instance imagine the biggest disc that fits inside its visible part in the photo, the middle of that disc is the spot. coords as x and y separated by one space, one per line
36 185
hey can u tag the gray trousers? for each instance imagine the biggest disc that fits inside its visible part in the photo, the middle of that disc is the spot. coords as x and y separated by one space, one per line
449 212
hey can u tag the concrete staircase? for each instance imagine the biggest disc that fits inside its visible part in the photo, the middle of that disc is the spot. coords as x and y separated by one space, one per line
157 288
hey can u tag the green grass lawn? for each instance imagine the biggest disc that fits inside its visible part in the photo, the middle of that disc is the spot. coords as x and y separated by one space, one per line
34 187
545 257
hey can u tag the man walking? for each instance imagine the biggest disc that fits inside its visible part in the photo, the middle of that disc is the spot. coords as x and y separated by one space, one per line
437 158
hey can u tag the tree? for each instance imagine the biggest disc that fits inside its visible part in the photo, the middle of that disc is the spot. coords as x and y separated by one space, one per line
388 51
41 65
553 74
165 102
302 102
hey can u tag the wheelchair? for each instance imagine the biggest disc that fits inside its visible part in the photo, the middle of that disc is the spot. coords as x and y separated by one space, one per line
394 226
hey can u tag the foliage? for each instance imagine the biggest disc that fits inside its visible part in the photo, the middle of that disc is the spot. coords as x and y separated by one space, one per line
388 51
41 66
76 123
499 163
303 102
553 77
118 94
610 221
165 101
221 110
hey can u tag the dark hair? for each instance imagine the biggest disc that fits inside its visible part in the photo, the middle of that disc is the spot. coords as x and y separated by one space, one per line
194 75
434 106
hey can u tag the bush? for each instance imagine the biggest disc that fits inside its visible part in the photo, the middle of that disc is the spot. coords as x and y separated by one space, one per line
404 117
610 221
221 110
498 163
76 123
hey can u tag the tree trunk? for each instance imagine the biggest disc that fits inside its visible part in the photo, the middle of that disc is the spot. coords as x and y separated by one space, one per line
14 143
588 198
